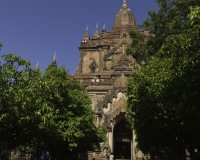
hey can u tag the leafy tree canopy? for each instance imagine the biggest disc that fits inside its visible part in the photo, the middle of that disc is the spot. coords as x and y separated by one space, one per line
44 111
171 19
163 97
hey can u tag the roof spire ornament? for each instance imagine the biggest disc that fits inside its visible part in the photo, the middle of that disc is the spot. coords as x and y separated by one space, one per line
54 60
103 30
96 33
104 26
97 26
87 29
86 37
54 57
37 66
124 6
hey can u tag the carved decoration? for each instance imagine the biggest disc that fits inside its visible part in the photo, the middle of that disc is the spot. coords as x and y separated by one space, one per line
117 107
114 50
123 62
124 33
93 66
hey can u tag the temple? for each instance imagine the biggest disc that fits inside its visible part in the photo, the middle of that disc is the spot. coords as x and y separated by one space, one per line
104 67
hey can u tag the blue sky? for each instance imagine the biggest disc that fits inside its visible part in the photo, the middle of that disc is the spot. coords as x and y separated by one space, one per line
35 29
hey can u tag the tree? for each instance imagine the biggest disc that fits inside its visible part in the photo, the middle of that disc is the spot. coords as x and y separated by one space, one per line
171 19
163 98
184 50
44 111
139 48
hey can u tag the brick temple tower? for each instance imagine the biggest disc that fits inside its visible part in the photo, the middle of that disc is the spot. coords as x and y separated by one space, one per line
104 67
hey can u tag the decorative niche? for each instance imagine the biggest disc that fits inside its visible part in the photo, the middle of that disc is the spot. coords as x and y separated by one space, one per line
93 66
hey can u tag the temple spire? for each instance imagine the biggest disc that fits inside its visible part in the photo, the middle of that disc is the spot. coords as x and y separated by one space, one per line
54 60
124 6
87 29
104 29
104 26
86 37
96 33
97 26
37 66
54 57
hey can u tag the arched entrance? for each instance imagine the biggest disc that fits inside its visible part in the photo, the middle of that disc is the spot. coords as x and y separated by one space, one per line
122 140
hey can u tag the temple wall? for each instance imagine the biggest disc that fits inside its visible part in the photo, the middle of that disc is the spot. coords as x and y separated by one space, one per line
88 59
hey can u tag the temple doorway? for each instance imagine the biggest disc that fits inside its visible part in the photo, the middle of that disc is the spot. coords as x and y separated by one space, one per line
122 140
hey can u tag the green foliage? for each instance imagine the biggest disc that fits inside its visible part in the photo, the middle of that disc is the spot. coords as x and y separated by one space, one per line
44 111
171 19
139 48
163 98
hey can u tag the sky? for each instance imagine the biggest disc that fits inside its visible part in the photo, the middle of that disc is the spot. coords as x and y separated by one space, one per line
36 29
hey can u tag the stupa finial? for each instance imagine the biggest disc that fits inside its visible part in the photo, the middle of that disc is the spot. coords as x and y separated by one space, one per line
104 26
54 57
97 26
86 37
54 60
37 66
124 6
96 33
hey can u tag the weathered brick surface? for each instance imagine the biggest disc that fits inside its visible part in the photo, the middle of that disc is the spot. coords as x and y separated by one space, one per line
103 69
